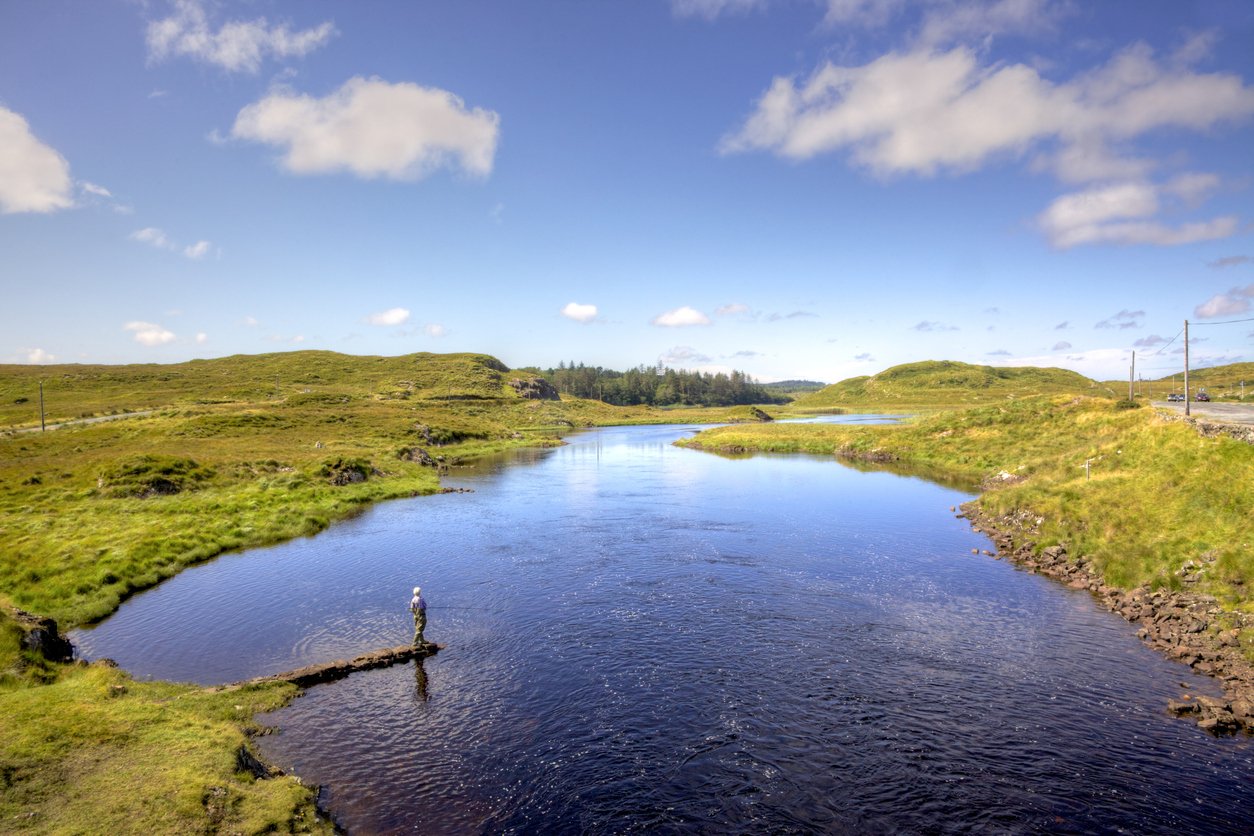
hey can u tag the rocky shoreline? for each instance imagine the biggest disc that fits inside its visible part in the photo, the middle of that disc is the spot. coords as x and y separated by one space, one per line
1184 626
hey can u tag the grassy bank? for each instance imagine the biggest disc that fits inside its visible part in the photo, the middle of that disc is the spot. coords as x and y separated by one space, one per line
236 453
1158 497
86 749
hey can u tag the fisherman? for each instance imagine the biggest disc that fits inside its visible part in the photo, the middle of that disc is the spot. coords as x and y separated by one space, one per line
418 606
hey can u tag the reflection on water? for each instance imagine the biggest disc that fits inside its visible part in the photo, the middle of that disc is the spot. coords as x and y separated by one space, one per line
640 637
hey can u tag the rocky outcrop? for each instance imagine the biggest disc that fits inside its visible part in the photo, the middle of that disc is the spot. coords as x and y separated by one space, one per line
40 635
340 668
535 389
1185 626
1211 429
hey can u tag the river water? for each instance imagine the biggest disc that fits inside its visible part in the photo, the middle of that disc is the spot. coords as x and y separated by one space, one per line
641 638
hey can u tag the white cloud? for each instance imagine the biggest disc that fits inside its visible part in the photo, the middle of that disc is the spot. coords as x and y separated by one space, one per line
1235 301
152 236
392 316
681 317
434 329
1061 346
92 188
197 250
683 355
202 338
236 45
250 321
1116 214
155 237
922 112
373 129
710 9
38 357
731 309
33 176
580 313
928 326
1123 320
1096 364
148 333
1230 261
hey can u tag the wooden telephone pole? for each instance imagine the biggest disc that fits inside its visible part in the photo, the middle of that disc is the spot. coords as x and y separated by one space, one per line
42 428
1132 377
1186 367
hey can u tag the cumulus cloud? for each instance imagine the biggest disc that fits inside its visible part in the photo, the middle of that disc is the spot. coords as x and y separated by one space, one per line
681 355
33 176
927 111
1122 320
154 237
681 317
373 128
1061 346
1230 261
1235 301
148 333
197 250
1118 214
392 316
926 326
580 313
434 329
731 309
37 356
202 338
236 46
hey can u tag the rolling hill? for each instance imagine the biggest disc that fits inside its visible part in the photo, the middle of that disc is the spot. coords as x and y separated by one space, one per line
937 384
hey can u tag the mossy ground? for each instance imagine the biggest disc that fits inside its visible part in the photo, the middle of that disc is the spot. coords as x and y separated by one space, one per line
1157 495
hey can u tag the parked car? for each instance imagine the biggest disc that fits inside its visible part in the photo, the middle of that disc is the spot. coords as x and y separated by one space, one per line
1174 397
1202 396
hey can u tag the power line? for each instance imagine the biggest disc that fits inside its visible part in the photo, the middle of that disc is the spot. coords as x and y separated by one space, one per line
1169 342
1226 322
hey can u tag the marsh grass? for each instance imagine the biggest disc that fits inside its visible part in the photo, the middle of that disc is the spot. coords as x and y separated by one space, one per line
1157 496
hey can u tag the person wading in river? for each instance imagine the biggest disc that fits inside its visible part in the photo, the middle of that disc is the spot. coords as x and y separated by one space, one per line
418 606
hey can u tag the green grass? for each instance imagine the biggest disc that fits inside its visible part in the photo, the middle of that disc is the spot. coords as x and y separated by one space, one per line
238 452
1159 494
944 384
97 752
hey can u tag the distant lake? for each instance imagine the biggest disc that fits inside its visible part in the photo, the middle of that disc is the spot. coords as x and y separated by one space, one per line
643 638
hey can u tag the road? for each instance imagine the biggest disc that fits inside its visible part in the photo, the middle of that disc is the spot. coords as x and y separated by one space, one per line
95 420
1219 413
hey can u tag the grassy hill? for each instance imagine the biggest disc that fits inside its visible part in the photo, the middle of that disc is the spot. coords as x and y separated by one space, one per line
1220 382
941 384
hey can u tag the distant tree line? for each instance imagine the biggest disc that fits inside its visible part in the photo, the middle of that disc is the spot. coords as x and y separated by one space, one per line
658 386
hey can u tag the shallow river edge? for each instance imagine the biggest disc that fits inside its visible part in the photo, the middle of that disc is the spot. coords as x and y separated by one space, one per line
1183 626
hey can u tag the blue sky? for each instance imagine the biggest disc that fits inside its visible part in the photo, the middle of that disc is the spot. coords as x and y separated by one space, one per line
795 188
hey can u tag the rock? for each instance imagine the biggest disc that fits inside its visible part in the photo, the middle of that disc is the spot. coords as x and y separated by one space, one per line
40 635
1182 707
535 389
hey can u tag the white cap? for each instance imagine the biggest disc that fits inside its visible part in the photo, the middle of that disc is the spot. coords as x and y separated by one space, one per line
417 590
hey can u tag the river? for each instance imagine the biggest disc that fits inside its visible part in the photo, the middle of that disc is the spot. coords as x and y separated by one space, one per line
642 638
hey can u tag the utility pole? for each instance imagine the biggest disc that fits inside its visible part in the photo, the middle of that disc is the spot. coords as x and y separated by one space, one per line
1132 377
42 427
1186 367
